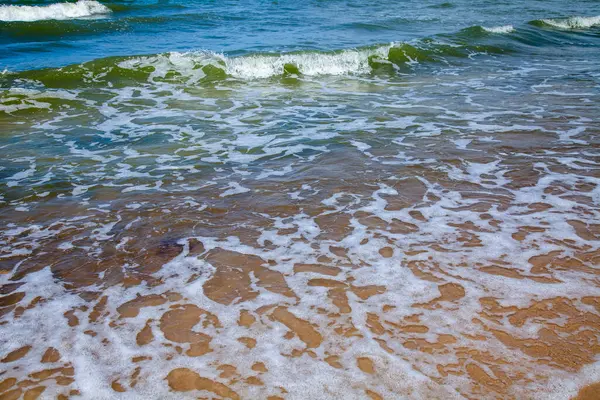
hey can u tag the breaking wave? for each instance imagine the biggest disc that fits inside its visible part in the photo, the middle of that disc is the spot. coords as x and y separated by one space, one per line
499 29
200 66
59 11
208 66
569 23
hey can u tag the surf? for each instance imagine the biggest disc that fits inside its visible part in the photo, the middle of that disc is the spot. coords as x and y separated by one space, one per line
575 22
58 11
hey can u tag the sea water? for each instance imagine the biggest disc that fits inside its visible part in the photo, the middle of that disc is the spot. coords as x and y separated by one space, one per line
299 200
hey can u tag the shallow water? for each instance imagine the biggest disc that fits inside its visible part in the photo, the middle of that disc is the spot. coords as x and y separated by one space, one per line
334 199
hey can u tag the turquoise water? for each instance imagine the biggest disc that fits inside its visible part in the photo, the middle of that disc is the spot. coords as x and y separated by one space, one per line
395 199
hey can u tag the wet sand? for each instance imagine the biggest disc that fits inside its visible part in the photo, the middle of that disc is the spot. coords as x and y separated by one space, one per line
408 285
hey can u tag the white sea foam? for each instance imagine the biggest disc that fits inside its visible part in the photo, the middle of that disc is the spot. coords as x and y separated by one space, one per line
58 11
283 129
234 188
573 22
354 61
499 29
342 63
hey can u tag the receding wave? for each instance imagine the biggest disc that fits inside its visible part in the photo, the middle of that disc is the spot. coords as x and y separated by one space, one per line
569 23
58 11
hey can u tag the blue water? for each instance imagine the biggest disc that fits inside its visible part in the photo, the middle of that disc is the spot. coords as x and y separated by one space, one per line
242 27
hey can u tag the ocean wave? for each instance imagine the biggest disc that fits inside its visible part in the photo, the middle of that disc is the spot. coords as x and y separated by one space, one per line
58 11
499 29
195 66
354 61
207 66
570 23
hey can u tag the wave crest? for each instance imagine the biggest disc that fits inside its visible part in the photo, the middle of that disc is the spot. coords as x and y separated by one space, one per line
195 66
58 11
353 61
572 22
499 29
207 66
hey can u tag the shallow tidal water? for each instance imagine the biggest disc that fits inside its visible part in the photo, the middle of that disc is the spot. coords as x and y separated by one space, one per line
287 200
